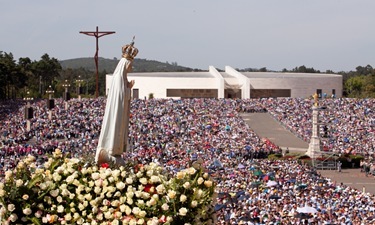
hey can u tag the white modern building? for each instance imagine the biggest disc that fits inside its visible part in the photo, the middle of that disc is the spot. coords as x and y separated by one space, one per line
232 84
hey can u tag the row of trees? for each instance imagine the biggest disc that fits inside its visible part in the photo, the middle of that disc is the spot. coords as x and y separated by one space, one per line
360 83
22 76
18 78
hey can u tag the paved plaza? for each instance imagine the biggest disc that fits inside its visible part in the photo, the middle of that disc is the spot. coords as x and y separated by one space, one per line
353 178
266 127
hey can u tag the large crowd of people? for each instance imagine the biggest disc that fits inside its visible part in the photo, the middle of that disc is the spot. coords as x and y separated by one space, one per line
251 189
350 123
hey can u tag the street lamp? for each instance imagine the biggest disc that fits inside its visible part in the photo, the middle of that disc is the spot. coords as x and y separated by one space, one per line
79 88
66 95
50 101
28 111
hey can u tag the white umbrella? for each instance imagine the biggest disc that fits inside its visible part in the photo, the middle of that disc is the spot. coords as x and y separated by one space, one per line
271 183
307 209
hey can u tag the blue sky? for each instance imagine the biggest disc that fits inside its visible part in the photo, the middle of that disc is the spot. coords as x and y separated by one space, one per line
324 34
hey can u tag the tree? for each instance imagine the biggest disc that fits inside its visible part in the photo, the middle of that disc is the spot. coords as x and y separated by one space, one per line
354 86
45 71
7 74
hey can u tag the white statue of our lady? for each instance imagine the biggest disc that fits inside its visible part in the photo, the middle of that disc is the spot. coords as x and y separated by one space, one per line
113 139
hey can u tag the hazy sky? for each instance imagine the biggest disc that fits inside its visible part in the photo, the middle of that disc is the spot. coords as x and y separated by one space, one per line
277 34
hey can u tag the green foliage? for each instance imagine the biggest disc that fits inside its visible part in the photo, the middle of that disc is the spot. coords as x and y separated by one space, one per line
302 69
139 65
274 156
304 157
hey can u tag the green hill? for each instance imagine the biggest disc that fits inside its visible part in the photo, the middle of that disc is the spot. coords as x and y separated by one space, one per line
109 65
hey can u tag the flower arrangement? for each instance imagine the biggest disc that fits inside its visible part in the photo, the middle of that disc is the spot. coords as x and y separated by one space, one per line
73 191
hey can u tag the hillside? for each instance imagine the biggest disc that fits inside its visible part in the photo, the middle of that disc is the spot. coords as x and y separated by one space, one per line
109 65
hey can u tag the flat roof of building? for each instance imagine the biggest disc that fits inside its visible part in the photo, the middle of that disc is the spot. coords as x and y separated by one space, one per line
285 75
174 74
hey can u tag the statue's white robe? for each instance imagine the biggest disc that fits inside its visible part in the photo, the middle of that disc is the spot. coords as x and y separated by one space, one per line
115 125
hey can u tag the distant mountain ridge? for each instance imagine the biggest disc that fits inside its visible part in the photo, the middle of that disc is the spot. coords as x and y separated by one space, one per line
109 65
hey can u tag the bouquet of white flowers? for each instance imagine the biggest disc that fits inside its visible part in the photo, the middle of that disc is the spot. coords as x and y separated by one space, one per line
72 191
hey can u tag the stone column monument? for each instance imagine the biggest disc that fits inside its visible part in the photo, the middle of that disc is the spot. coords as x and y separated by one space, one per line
314 146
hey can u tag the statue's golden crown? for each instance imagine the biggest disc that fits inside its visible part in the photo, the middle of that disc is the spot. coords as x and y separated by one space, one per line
129 51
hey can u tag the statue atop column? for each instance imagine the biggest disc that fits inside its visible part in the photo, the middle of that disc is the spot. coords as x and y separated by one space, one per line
316 99
113 139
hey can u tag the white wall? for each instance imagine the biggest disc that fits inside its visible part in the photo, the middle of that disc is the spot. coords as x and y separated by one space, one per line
158 85
301 87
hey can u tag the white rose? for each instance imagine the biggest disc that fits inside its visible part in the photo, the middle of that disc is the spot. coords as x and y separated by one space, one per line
180 175
194 204
136 211
27 211
208 183
165 206
68 217
11 207
19 183
43 186
120 185
183 198
200 180
160 189
183 211
142 214
128 210
81 207
155 179
138 194
116 173
152 202
56 177
150 172
97 190
143 181
145 195
76 216
191 171
25 197
91 183
122 208
95 176
13 217
38 214
60 209
129 180
140 202
54 193
186 185
111 180
199 193
172 194
108 215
